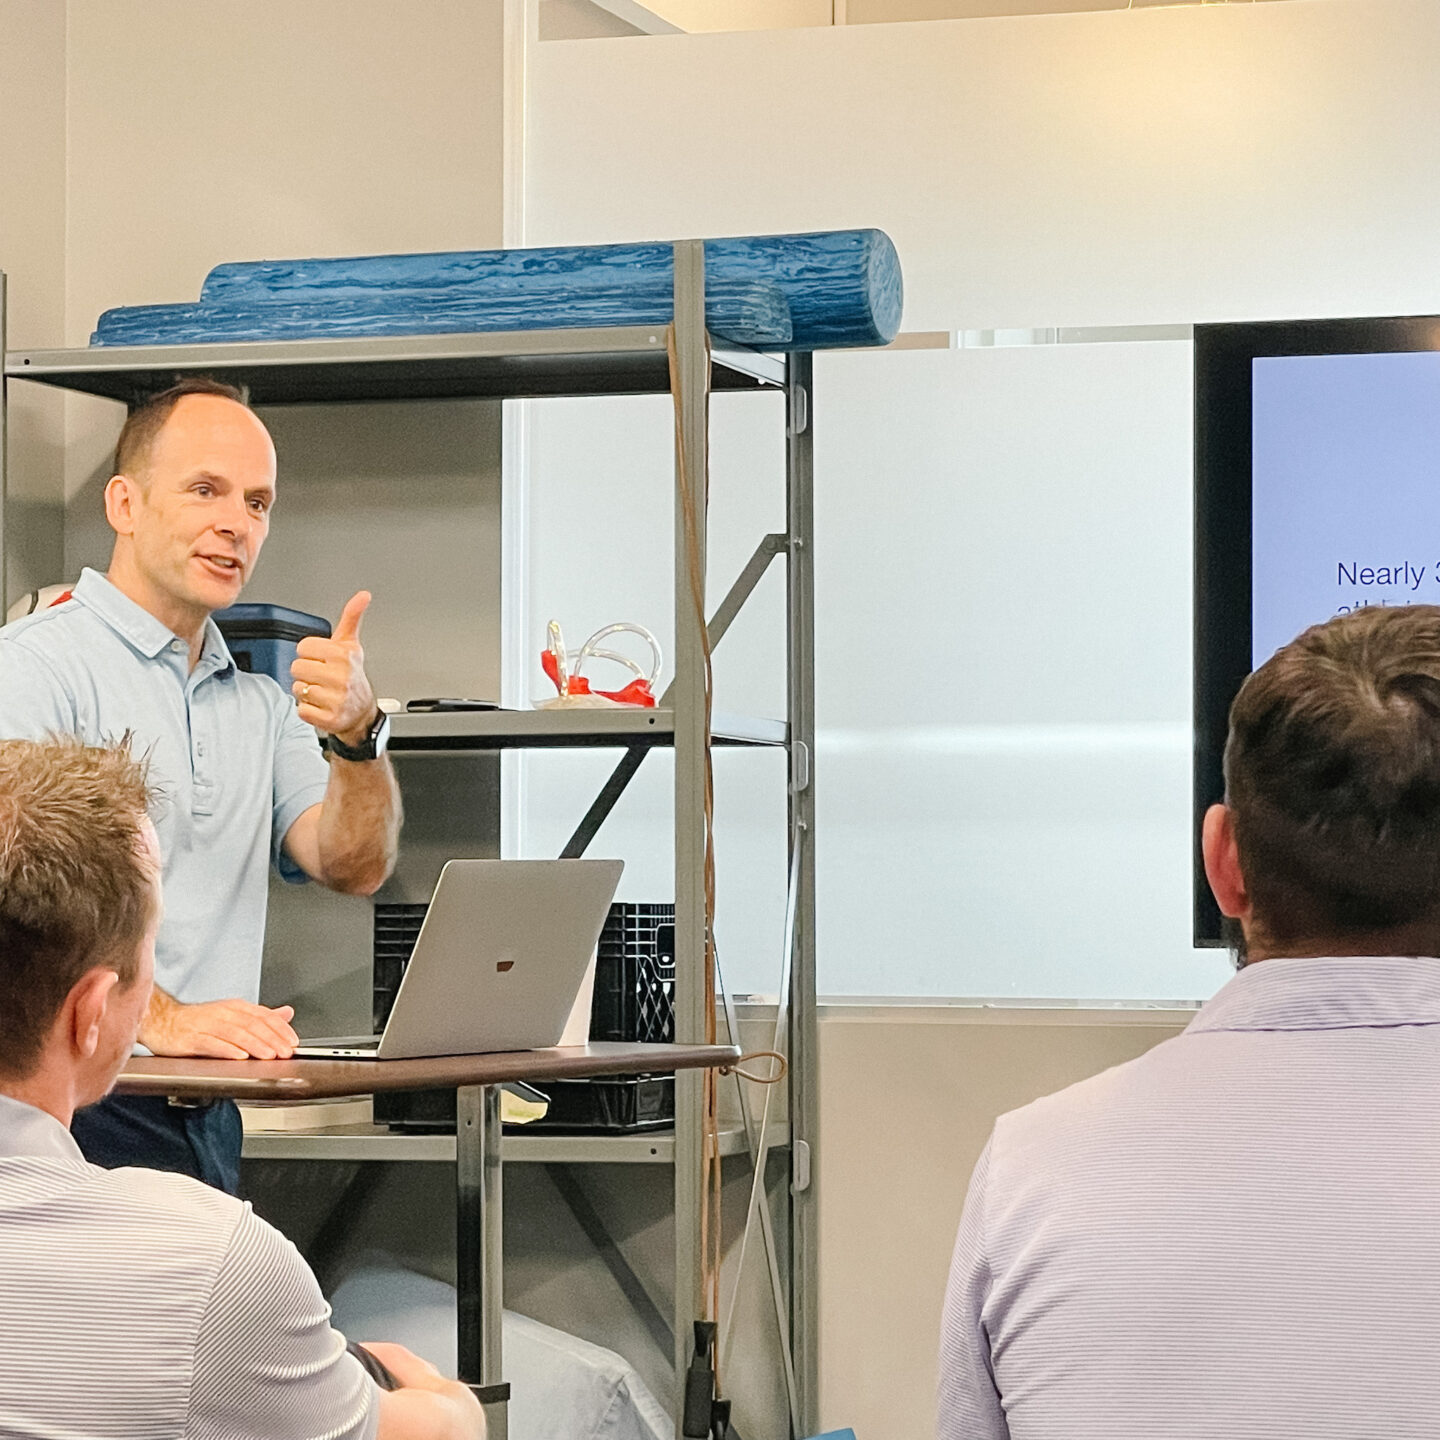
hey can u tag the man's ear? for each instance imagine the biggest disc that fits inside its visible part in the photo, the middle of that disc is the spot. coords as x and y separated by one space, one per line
121 496
85 1007
1222 863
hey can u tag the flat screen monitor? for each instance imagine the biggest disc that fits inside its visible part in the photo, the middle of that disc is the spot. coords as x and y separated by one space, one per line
1317 490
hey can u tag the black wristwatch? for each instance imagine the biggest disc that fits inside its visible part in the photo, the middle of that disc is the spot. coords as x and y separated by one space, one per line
377 738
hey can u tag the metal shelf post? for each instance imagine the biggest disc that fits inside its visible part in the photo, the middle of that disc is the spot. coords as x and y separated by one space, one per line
800 682
478 1254
689 702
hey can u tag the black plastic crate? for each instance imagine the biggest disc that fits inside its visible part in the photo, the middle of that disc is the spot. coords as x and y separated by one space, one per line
634 1001
396 928
608 1104
635 976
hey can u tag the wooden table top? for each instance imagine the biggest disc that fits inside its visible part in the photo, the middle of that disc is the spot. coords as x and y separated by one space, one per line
296 1080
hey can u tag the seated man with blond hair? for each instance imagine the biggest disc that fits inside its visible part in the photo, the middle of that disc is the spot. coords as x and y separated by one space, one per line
134 1302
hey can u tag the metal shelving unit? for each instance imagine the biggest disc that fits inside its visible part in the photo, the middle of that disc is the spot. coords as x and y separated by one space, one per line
589 362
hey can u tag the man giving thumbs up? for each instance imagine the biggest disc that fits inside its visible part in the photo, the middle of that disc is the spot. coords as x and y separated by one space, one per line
348 842
239 779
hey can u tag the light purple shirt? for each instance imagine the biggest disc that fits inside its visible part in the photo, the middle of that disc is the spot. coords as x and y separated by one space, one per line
1235 1237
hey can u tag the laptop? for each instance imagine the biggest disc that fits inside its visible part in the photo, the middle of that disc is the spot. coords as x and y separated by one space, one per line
498 963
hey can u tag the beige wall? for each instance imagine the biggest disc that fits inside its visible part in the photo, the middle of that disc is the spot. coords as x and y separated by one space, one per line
907 1099
32 167
203 132
32 254
207 132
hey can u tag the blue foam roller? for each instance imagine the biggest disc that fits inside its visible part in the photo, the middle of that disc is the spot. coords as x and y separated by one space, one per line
843 287
748 312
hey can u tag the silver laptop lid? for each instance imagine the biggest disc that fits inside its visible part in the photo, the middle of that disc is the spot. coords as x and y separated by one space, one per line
500 956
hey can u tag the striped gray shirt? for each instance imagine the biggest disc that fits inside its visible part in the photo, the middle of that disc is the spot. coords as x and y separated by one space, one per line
1236 1235
136 1305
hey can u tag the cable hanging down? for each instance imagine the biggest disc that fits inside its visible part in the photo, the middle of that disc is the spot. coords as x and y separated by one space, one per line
710 1245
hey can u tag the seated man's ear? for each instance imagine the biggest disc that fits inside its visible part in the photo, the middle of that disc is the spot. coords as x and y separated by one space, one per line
84 1013
1222 863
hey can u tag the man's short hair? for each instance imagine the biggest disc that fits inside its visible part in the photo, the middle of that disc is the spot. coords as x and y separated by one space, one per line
76 890
144 423
1332 772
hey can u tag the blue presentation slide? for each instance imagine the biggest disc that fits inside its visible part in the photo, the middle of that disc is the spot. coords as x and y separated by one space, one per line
1345 488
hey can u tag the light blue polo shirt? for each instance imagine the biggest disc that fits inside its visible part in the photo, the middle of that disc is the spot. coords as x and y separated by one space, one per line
232 764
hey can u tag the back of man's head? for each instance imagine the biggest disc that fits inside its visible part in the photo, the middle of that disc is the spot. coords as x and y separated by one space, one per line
77 888
1332 775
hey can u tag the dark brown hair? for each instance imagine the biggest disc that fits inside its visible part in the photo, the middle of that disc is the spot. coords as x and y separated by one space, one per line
144 423
1332 772
76 890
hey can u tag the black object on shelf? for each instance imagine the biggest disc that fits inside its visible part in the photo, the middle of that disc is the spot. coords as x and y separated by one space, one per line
634 1002
428 705
263 638
396 929
635 976
608 1105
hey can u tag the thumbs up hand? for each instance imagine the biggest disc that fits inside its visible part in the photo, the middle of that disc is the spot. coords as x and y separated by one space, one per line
328 677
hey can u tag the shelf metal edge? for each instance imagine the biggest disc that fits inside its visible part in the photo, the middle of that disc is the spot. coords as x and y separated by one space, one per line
358 1144
340 350
417 733
761 366
53 365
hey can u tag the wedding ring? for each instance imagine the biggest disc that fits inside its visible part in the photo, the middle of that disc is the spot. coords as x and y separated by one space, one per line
305 693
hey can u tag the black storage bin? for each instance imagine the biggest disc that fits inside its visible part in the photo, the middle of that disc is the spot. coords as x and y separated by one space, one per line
396 929
634 1001
613 1104
635 976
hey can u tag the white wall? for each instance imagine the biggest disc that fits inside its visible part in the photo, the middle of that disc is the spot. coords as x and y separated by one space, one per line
1023 819
1195 163
1003 554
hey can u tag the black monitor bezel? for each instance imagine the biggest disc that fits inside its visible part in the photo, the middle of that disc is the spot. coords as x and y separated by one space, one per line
1223 461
